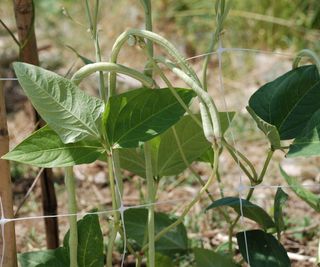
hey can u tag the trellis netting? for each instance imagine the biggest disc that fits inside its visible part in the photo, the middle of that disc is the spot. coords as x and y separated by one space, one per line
239 186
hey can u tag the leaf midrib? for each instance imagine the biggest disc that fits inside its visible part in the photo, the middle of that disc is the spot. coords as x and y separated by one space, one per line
139 124
69 111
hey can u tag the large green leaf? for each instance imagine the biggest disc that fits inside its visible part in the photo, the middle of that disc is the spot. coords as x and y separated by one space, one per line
90 242
209 258
139 115
308 143
90 248
44 148
263 249
280 199
166 155
67 110
289 101
311 199
47 258
249 210
175 241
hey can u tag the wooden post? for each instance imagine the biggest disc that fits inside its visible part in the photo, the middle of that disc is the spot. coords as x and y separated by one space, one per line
24 13
10 257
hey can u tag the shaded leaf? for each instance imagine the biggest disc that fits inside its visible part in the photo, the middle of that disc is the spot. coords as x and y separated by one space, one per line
166 156
311 199
209 258
70 112
308 143
44 148
139 115
90 248
90 242
263 249
280 199
47 258
163 261
269 130
249 210
289 101
175 241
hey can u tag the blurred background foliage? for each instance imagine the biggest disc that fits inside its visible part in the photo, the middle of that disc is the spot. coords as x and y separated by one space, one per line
264 24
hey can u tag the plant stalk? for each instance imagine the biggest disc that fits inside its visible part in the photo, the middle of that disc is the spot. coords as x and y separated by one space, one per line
190 205
72 209
115 206
151 200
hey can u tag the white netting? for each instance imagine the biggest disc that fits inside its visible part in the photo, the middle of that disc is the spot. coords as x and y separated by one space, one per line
238 189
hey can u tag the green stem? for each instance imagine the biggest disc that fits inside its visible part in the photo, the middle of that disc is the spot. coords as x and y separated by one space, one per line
306 53
72 209
190 205
138 260
220 17
151 200
237 155
253 183
148 25
188 165
231 228
265 166
115 206
87 70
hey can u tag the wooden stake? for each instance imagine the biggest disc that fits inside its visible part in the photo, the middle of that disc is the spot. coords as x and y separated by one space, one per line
24 13
10 258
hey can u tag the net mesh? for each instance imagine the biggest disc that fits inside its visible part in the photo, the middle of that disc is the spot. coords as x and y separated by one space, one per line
239 189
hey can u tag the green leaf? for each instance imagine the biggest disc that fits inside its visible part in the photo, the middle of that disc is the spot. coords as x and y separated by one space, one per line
90 242
209 258
289 101
311 199
263 249
47 258
70 112
279 201
163 261
166 156
44 148
269 130
308 143
249 210
175 241
90 248
139 115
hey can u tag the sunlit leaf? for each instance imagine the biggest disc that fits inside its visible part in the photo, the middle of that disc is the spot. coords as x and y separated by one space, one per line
44 148
139 115
70 112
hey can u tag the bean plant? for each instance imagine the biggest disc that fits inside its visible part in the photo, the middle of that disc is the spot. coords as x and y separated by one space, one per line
153 133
